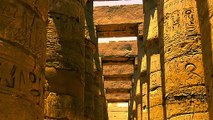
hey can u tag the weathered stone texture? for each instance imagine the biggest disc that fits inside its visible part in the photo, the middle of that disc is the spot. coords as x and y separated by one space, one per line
188 72
155 113
22 51
151 67
173 84
118 14
122 48
61 107
115 85
183 60
195 116
65 64
113 70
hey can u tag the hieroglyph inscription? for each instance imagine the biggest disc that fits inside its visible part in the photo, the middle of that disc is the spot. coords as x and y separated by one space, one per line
21 25
180 22
22 79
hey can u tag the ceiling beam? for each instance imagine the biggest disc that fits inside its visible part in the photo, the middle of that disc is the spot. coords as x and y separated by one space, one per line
118 84
118 97
118 75
117 79
130 62
118 58
117 30
120 90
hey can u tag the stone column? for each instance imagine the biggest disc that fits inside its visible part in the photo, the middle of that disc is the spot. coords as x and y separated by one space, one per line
154 85
97 95
145 106
22 58
130 107
134 111
143 78
182 61
89 81
65 65
105 109
101 107
205 13
138 100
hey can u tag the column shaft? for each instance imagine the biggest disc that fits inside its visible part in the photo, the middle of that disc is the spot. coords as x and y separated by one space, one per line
182 63
65 65
89 81
22 58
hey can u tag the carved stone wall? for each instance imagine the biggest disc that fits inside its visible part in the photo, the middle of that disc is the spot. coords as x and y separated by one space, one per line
22 58
65 65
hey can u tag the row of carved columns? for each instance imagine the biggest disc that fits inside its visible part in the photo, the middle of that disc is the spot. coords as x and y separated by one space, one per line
46 64
175 60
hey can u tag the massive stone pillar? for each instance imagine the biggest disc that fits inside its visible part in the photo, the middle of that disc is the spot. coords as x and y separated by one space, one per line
151 72
89 81
65 65
99 99
100 109
154 83
134 111
138 100
181 59
143 79
205 13
22 58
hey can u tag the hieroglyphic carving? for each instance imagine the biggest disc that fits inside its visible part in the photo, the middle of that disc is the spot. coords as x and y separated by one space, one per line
190 28
11 81
179 20
190 69
29 33
21 79
181 29
180 24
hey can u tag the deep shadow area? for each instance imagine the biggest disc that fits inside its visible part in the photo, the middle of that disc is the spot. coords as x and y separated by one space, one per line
160 10
206 42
